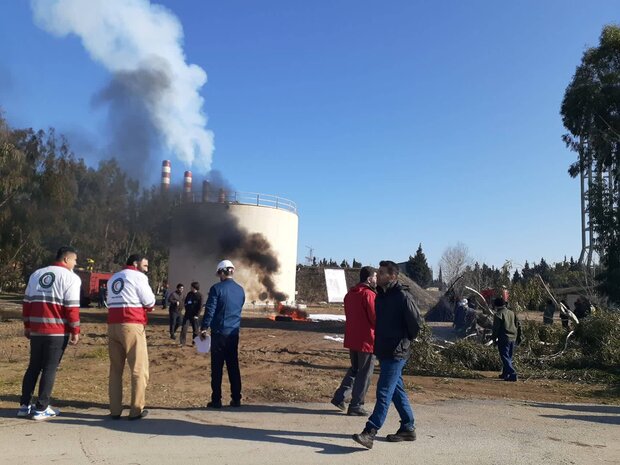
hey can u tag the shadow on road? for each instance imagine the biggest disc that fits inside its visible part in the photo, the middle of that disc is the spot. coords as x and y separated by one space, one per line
610 414
246 408
197 426
605 419
613 409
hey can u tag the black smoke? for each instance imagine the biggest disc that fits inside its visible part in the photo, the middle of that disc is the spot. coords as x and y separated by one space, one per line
216 229
132 135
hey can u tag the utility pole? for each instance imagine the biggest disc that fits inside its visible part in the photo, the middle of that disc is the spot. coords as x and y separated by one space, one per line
310 256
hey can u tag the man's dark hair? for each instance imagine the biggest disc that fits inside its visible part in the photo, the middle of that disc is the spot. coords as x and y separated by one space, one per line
180 285
63 251
366 272
499 302
196 285
136 257
392 268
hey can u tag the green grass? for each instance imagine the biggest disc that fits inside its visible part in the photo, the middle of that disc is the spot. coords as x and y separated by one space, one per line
100 353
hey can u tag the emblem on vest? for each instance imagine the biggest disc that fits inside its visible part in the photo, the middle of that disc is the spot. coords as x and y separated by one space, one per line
47 279
118 285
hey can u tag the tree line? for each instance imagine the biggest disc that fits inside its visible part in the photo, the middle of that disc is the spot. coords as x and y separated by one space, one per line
49 198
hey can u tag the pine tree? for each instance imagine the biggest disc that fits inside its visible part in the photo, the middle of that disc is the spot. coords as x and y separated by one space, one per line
418 270
440 283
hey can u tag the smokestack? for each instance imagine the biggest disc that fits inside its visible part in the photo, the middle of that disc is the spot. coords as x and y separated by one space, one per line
222 196
187 186
165 175
205 191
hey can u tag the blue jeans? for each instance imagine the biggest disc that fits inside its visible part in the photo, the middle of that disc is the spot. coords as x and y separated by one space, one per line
506 349
390 388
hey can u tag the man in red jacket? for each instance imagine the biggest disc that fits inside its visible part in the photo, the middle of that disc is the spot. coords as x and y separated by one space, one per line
51 313
359 338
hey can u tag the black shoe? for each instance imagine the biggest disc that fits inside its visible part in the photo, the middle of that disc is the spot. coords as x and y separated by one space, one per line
142 415
115 417
235 403
172 337
213 404
402 435
366 438
512 378
339 405
357 412
501 376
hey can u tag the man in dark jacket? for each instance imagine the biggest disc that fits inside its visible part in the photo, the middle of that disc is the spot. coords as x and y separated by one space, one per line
359 338
223 316
460 312
175 301
193 305
398 323
506 333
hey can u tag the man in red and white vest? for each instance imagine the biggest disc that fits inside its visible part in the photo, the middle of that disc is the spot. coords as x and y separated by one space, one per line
129 299
51 313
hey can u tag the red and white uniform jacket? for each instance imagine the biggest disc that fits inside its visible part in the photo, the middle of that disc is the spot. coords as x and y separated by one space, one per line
52 302
129 297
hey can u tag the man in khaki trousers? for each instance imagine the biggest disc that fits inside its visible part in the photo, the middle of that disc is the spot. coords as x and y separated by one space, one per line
129 299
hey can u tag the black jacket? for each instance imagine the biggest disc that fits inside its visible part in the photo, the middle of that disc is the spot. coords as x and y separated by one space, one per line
193 303
398 322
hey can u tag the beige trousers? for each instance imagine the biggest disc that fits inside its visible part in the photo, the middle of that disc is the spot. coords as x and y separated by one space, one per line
127 341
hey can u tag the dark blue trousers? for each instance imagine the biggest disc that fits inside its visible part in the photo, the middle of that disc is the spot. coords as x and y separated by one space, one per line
45 355
225 349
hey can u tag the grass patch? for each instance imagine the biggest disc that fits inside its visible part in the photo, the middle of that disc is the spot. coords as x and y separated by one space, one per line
100 353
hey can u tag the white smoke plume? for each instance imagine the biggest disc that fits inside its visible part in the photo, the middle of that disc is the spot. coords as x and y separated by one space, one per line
133 39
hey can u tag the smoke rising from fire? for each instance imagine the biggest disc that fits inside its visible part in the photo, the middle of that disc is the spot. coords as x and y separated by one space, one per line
221 234
140 44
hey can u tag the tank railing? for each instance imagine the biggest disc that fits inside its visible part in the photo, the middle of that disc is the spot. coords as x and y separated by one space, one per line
243 198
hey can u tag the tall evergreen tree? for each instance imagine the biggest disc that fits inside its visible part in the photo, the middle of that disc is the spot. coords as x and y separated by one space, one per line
590 112
418 270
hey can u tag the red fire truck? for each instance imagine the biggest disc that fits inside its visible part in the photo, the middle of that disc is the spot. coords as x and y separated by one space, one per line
92 281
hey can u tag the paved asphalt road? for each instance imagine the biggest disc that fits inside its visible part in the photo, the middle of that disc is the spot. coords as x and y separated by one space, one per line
450 432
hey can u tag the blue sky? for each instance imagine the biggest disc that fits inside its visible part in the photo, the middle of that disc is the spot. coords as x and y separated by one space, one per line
388 123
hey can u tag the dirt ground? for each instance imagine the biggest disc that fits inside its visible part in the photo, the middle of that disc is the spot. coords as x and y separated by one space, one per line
280 362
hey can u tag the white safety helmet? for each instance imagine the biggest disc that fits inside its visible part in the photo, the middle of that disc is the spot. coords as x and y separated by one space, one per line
464 302
224 264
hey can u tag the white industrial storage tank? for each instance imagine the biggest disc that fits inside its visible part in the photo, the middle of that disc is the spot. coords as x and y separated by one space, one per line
200 225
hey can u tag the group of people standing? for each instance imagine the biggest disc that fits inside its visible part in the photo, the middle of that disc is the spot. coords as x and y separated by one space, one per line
382 320
52 321
192 302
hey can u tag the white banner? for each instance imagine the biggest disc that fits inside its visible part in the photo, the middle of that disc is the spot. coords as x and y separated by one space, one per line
336 285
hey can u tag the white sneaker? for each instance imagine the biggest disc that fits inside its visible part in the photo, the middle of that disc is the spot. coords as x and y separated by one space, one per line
25 410
49 412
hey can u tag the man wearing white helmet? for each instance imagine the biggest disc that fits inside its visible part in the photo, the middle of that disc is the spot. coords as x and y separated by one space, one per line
223 316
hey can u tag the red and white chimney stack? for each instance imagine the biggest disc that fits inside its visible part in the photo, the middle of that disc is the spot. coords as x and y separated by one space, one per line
165 176
187 186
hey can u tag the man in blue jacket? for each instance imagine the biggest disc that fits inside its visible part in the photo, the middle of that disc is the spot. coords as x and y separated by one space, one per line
398 322
223 316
